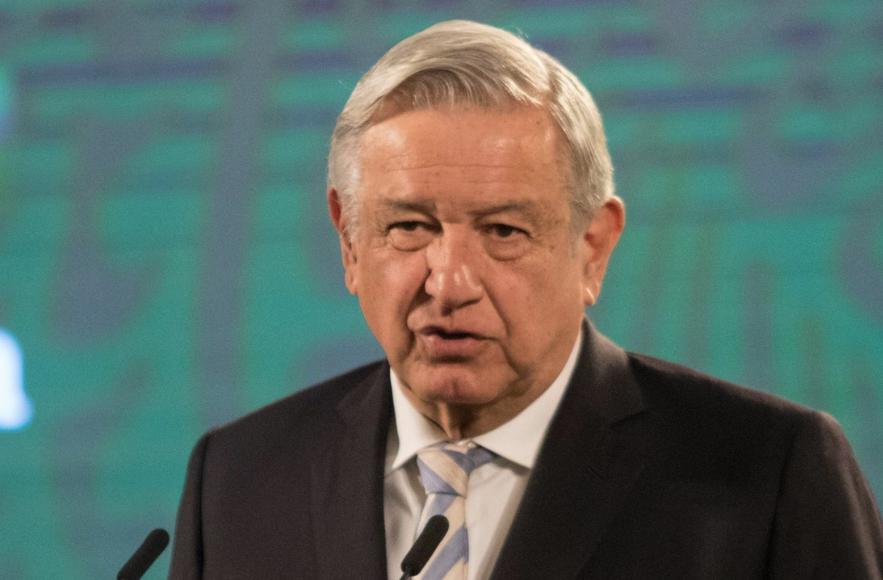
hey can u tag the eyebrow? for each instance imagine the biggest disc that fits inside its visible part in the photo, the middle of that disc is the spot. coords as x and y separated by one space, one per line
529 209
402 205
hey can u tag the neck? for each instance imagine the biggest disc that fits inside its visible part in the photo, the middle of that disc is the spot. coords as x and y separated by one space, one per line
457 422
467 421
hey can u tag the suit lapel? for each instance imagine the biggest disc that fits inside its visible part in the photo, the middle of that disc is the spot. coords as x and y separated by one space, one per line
591 457
347 485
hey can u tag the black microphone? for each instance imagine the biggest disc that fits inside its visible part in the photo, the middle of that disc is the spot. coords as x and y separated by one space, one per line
425 544
153 545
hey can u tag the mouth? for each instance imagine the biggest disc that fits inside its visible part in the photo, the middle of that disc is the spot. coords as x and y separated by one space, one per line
448 334
450 344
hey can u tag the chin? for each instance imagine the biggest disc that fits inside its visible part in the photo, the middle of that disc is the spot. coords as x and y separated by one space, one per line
454 387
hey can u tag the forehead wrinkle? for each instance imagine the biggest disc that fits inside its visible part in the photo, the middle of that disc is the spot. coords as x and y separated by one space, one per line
449 164
531 209
534 211
429 176
423 206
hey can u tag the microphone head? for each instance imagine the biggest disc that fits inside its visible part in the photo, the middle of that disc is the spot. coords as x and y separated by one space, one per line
428 540
153 545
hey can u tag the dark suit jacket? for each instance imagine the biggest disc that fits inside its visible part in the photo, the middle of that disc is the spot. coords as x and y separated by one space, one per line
649 470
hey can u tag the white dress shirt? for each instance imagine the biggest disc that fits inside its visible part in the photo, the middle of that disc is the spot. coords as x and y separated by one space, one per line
495 489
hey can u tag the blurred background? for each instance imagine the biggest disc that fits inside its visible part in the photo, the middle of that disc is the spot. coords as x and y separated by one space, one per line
166 263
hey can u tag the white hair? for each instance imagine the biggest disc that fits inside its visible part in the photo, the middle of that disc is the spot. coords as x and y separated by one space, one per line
463 63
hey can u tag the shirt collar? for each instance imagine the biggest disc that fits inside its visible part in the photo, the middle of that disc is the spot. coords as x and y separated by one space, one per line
517 440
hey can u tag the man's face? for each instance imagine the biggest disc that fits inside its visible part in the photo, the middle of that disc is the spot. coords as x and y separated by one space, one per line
464 261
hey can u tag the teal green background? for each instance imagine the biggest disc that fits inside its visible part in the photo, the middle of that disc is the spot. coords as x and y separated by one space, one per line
166 262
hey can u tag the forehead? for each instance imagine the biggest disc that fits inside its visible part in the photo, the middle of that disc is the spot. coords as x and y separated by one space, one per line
464 156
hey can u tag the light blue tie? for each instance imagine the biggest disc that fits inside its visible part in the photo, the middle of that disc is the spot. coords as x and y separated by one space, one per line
444 472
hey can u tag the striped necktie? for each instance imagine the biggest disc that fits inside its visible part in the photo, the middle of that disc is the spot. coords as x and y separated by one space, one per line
444 472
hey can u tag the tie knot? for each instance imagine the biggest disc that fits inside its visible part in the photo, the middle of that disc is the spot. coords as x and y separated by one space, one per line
445 468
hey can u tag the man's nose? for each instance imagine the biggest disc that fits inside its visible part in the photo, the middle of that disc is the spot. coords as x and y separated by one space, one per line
453 278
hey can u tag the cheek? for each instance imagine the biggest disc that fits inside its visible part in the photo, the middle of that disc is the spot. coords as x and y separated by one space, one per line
389 285
537 302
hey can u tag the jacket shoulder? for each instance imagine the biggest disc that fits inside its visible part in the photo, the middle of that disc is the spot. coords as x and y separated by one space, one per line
673 386
726 421
307 413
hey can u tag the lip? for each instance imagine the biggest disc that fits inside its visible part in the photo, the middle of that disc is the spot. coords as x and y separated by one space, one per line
449 332
450 343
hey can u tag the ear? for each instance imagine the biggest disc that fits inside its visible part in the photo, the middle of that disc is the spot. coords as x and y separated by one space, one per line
599 237
347 252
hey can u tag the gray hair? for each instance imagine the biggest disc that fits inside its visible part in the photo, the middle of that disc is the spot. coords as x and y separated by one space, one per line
459 63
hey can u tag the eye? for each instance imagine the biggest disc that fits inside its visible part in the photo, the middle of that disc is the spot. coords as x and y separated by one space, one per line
409 235
504 231
505 242
408 226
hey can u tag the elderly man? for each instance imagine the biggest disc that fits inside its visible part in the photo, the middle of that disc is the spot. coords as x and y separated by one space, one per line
470 183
